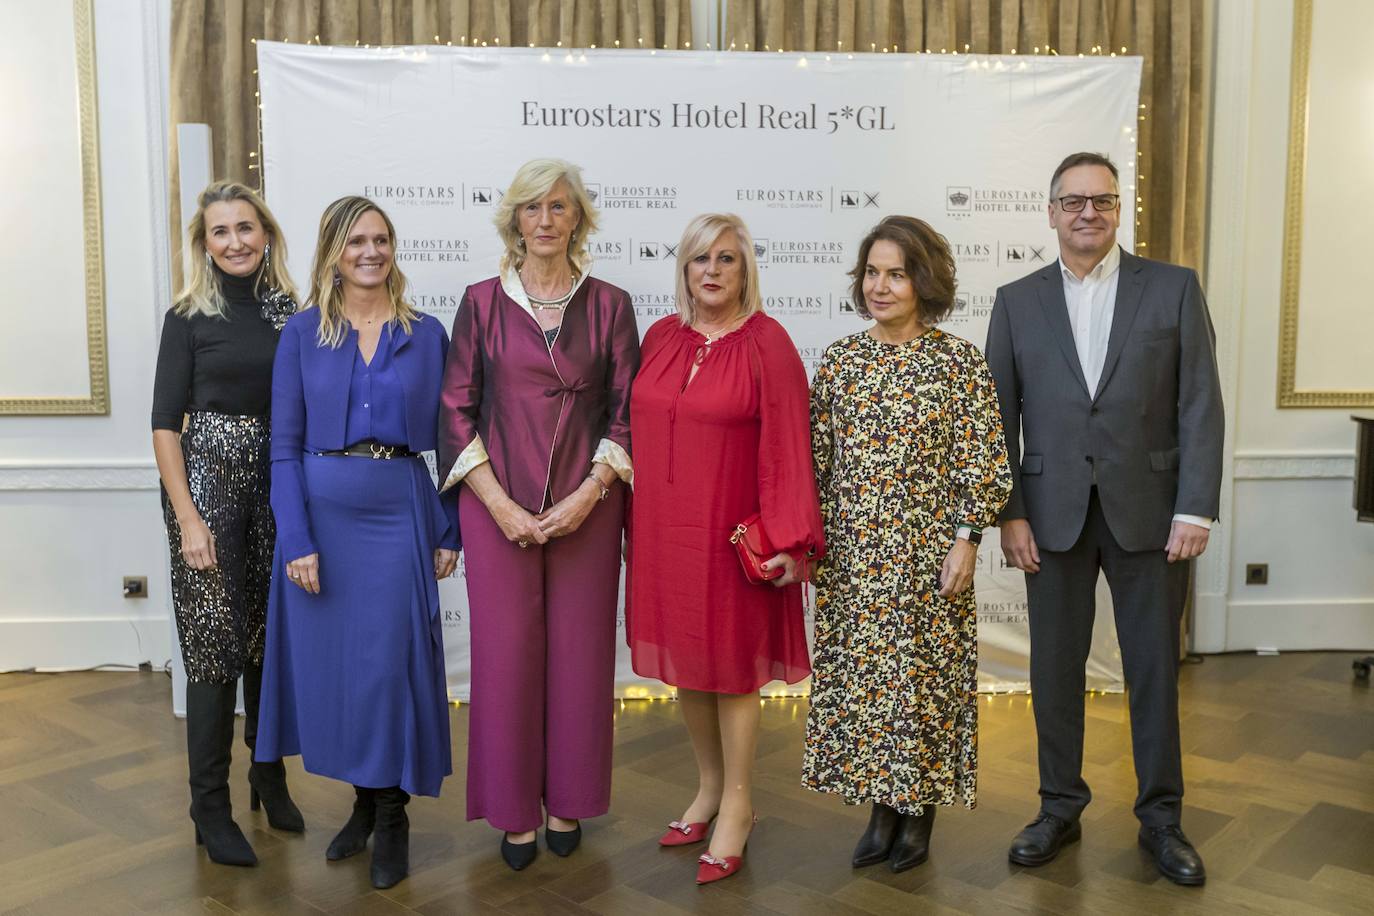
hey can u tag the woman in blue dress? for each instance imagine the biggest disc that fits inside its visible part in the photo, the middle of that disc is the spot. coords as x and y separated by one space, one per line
354 679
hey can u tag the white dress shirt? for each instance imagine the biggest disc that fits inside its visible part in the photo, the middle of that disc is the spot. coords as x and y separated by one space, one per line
1092 304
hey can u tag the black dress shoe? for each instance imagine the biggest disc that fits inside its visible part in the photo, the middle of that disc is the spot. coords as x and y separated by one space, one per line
913 840
1042 839
562 842
518 855
1174 856
876 843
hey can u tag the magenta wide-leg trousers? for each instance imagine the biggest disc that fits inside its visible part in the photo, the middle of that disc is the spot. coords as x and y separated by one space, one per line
543 667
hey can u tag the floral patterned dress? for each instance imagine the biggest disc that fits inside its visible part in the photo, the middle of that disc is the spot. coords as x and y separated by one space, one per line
908 445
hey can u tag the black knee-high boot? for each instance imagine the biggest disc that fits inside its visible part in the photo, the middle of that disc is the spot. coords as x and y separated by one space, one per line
209 739
352 839
391 841
268 780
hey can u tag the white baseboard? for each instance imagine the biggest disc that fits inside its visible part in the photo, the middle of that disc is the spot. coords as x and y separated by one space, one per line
1346 625
65 645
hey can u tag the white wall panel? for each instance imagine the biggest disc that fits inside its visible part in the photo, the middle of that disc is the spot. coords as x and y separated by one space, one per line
78 495
1290 497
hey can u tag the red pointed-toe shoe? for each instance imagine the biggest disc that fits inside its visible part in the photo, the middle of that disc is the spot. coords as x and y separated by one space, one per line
680 834
710 868
715 868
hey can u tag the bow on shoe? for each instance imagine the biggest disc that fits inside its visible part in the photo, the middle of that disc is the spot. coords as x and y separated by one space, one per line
680 827
713 868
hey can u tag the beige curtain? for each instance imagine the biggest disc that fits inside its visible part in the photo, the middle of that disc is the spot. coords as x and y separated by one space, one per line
214 76
1167 34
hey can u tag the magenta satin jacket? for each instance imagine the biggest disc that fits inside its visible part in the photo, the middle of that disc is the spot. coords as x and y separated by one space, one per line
541 411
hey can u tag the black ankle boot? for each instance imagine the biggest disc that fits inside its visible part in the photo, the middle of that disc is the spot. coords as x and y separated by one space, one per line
209 739
352 839
268 780
912 846
391 843
876 843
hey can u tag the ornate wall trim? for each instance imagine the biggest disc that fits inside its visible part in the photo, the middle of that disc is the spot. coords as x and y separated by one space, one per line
1295 465
1289 395
93 259
131 475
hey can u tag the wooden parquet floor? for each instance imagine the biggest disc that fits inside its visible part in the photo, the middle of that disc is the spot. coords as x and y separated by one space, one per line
1279 762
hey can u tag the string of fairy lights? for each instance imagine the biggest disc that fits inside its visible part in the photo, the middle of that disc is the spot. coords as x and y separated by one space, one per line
255 160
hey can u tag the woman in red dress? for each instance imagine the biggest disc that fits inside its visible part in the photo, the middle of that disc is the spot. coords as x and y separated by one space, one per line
719 417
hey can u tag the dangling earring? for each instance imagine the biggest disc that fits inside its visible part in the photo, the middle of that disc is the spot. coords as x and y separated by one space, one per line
266 258
520 241
338 279
209 261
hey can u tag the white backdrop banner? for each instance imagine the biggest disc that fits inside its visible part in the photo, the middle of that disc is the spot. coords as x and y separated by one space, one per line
812 150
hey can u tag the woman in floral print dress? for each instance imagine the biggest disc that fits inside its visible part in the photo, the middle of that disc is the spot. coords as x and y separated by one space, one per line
911 463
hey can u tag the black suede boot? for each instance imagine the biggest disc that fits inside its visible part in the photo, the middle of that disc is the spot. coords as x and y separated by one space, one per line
209 739
391 841
876 843
352 839
268 780
913 840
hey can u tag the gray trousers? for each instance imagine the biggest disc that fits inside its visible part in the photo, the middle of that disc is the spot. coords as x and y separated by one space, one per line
1148 595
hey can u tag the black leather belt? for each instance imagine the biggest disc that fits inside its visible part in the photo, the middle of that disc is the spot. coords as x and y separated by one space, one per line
372 450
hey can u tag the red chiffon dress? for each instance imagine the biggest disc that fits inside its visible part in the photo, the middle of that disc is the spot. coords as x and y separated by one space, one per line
710 452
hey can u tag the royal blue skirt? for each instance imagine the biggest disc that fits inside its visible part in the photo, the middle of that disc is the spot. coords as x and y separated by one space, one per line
353 677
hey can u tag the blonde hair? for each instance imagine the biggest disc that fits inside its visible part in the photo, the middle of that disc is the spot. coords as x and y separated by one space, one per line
336 223
201 294
697 239
532 181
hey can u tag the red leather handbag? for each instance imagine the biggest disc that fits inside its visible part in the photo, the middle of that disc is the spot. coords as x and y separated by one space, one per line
754 549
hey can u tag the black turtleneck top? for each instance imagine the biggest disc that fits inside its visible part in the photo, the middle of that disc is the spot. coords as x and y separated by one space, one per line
223 365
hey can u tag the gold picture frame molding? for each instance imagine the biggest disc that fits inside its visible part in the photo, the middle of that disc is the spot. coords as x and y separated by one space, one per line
98 402
1289 394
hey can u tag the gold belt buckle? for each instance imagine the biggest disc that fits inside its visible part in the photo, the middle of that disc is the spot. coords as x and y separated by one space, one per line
380 451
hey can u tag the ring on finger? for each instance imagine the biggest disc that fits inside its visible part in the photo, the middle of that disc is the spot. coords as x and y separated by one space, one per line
523 543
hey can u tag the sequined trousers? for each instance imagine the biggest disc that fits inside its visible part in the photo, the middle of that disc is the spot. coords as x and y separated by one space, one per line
221 613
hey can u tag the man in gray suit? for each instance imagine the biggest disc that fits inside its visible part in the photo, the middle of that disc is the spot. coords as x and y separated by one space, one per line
1105 366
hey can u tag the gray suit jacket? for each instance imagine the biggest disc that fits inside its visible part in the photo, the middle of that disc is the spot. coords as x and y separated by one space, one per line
1150 436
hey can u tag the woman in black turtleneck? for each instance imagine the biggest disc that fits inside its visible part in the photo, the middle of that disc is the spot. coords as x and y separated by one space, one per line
211 400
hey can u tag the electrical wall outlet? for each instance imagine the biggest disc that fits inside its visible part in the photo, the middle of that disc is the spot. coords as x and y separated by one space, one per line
135 586
1256 573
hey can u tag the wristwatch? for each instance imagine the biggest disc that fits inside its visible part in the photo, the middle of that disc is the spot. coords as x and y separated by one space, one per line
973 535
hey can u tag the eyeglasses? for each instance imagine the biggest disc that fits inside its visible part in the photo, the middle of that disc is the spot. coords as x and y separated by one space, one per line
1074 203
